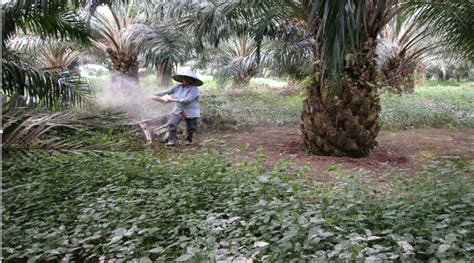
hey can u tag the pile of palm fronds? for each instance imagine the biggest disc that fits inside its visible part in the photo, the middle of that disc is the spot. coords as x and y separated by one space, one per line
62 132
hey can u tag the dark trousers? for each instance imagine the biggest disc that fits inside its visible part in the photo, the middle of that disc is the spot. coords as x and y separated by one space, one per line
191 126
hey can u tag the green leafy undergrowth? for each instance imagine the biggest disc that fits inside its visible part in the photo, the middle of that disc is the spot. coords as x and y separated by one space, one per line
143 207
430 106
244 109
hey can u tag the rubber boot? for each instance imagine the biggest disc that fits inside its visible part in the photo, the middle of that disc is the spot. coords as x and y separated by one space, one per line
189 139
171 138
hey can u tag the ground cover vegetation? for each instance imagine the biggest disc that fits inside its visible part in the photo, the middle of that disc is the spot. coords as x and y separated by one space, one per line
135 206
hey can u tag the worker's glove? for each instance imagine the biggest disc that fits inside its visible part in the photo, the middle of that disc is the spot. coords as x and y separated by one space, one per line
182 115
166 98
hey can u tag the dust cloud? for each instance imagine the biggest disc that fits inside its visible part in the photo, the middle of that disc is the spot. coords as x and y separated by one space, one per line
125 95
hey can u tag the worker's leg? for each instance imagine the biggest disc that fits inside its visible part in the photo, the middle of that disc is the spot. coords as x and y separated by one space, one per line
191 126
173 127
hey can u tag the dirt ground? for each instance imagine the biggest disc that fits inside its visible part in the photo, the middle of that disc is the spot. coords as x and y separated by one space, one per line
405 151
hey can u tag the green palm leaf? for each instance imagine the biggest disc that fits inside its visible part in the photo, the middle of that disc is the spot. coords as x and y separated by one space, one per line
160 45
452 22
290 51
43 87
237 58
49 21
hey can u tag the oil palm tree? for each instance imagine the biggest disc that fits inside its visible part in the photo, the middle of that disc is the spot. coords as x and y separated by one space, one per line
55 57
341 110
236 58
46 21
107 28
161 46
340 115
401 50
159 42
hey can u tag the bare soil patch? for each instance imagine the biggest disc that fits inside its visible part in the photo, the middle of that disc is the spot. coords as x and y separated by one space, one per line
405 151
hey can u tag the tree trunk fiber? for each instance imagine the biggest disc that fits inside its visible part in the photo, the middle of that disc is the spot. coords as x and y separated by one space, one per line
399 75
346 125
163 75
243 78
125 71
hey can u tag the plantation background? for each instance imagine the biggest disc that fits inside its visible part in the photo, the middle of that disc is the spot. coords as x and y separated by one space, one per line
331 131
229 203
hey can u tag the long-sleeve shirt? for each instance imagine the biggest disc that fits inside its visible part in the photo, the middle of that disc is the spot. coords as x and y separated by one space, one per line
187 100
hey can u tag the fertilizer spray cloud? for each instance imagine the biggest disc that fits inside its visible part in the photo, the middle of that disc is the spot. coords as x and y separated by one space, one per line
125 95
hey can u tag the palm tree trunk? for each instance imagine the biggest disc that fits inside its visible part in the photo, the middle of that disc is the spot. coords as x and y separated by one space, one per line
125 70
346 125
400 75
163 74
243 77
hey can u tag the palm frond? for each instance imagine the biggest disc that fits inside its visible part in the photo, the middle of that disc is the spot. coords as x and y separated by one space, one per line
159 45
289 55
43 20
43 87
28 43
345 27
60 25
217 20
47 132
25 130
48 52
237 59
451 20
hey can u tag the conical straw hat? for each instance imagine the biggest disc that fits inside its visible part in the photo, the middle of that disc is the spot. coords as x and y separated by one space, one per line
188 74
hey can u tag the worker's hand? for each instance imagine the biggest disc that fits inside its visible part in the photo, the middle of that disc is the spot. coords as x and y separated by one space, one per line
166 98
156 97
